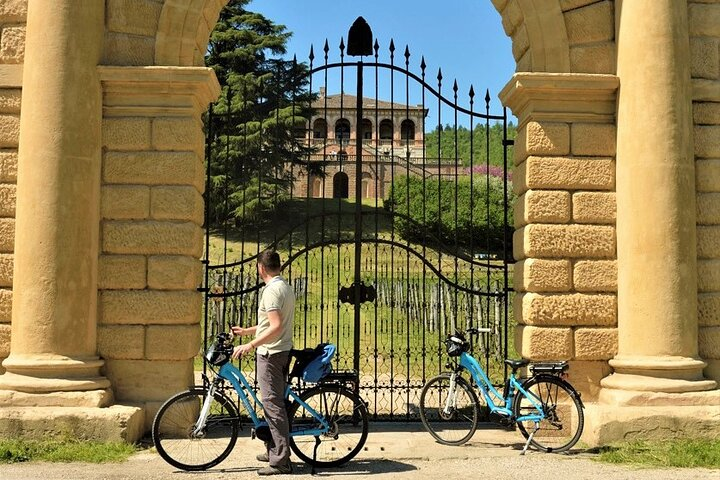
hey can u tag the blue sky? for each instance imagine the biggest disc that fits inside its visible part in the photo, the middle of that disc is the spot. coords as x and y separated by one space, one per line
463 37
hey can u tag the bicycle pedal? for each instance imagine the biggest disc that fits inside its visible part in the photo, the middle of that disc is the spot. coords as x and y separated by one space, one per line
501 418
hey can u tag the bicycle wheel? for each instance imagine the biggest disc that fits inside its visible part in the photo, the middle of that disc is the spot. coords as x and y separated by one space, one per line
563 425
348 418
175 421
451 421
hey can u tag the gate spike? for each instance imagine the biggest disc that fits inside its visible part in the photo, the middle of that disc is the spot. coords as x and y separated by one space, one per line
487 98
312 54
392 48
376 47
423 65
455 87
407 54
439 77
342 46
326 49
471 93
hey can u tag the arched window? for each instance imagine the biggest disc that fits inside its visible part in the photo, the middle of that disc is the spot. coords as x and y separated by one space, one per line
320 128
340 185
407 132
386 130
342 129
367 129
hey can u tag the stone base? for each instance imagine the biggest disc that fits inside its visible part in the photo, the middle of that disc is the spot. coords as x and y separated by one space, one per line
118 423
623 416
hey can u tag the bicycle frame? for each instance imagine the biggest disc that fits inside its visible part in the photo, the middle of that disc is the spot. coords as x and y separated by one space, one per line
233 375
469 363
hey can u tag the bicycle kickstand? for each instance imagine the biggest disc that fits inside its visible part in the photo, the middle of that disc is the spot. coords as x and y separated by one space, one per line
530 437
317 444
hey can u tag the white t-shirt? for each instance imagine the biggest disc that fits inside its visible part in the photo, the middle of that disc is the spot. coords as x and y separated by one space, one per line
276 295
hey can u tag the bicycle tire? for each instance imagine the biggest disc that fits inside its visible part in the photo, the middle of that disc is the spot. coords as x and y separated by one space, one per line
563 408
458 426
174 422
348 418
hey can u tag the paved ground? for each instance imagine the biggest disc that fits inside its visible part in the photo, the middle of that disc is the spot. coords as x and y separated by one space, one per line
397 451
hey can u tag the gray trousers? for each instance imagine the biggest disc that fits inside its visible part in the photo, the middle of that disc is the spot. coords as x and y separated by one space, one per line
272 380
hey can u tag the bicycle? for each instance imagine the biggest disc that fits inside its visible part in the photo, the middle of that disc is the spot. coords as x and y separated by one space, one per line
198 428
547 410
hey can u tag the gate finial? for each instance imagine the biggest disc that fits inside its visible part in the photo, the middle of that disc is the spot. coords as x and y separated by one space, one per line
359 38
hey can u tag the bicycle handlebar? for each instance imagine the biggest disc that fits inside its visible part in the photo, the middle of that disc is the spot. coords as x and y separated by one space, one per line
476 331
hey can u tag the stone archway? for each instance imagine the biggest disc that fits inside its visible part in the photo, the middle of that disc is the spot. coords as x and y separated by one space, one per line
151 90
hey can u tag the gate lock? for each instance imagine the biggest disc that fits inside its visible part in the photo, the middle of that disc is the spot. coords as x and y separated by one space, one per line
347 294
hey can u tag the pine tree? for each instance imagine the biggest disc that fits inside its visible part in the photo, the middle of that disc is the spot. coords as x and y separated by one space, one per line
258 123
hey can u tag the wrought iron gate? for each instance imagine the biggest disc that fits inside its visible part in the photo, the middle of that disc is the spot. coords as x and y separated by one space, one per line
390 240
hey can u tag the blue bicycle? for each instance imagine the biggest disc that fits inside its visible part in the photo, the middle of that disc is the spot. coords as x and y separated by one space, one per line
547 410
198 428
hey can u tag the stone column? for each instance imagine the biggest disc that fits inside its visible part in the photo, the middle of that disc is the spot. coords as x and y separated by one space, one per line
54 319
656 231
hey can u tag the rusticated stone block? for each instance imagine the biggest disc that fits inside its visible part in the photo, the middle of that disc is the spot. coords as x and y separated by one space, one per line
121 342
4 340
541 343
704 58
177 203
708 242
121 272
707 141
708 275
552 173
12 45
8 166
594 207
542 206
145 307
125 202
564 241
707 175
535 275
596 343
9 131
595 276
125 49
594 23
137 17
7 235
127 133
6 270
13 10
5 305
706 113
174 272
154 168
520 148
172 342
179 134
547 138
152 238
593 139
148 380
709 342
10 99
708 208
596 58
709 309
585 376
574 309
704 20
8 200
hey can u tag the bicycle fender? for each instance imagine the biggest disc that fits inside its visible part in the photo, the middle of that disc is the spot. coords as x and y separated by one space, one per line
567 384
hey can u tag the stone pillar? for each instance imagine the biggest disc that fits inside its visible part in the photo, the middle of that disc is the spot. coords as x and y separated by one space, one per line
656 231
54 318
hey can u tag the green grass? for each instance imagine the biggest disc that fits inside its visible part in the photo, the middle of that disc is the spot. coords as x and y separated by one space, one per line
679 453
15 451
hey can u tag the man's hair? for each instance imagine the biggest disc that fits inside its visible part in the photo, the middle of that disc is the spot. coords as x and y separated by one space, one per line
270 259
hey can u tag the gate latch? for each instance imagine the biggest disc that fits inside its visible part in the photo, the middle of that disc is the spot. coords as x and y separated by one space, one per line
347 294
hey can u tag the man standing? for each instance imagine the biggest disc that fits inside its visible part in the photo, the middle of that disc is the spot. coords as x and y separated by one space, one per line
273 341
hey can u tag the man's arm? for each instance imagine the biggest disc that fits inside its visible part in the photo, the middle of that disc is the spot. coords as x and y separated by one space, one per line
243 331
268 336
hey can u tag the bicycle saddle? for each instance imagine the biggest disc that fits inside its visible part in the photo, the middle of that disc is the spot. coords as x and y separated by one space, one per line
515 364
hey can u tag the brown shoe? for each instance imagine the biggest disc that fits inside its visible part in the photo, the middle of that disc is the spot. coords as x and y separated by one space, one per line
262 457
279 470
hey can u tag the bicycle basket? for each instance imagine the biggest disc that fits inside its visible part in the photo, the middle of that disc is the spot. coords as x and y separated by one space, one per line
219 353
456 345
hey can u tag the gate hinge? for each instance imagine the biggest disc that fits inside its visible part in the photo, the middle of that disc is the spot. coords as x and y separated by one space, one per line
347 294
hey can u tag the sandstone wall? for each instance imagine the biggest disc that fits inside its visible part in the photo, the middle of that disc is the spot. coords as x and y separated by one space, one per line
704 18
12 49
